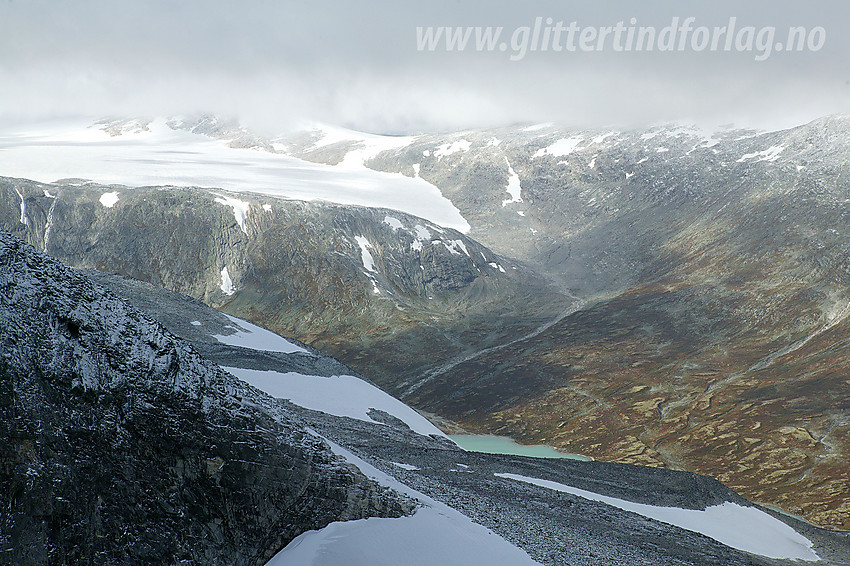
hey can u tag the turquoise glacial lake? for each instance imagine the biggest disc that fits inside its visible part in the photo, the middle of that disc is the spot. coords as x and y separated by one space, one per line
492 444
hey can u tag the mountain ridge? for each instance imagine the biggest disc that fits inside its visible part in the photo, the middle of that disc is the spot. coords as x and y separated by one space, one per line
689 265
550 529
91 387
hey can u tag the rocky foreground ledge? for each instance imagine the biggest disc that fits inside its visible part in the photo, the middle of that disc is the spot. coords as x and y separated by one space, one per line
553 527
119 443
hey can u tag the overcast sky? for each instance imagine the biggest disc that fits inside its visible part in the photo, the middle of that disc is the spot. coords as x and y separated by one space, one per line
274 64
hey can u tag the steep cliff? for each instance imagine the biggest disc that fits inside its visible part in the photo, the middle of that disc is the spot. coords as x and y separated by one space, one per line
120 444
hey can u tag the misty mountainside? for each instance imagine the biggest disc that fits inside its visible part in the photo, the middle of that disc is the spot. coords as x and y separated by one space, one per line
714 270
664 296
348 278
474 508
121 444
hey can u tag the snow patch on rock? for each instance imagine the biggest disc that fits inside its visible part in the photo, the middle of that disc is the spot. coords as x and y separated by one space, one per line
602 137
24 219
451 148
255 337
340 395
743 528
560 148
454 246
226 282
240 209
109 199
365 254
393 222
769 154
514 187
422 232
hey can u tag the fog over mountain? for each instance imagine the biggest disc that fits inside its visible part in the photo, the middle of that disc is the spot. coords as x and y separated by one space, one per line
357 65
437 283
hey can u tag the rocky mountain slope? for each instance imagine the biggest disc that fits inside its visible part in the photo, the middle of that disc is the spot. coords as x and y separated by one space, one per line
347 278
714 270
120 444
604 513
698 317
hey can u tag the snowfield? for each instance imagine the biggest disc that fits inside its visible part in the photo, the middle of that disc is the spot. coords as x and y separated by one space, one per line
514 187
163 156
770 154
743 528
427 538
109 199
226 283
256 338
365 254
560 148
340 395
240 210
435 535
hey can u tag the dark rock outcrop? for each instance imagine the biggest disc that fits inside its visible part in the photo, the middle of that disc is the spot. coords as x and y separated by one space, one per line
120 444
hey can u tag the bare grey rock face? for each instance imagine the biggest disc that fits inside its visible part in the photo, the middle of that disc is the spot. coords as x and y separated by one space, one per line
120 444
711 270
554 528
320 272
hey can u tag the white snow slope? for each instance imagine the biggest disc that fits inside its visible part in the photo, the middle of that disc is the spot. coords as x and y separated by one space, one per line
164 156
743 528
427 538
256 338
340 395
435 535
